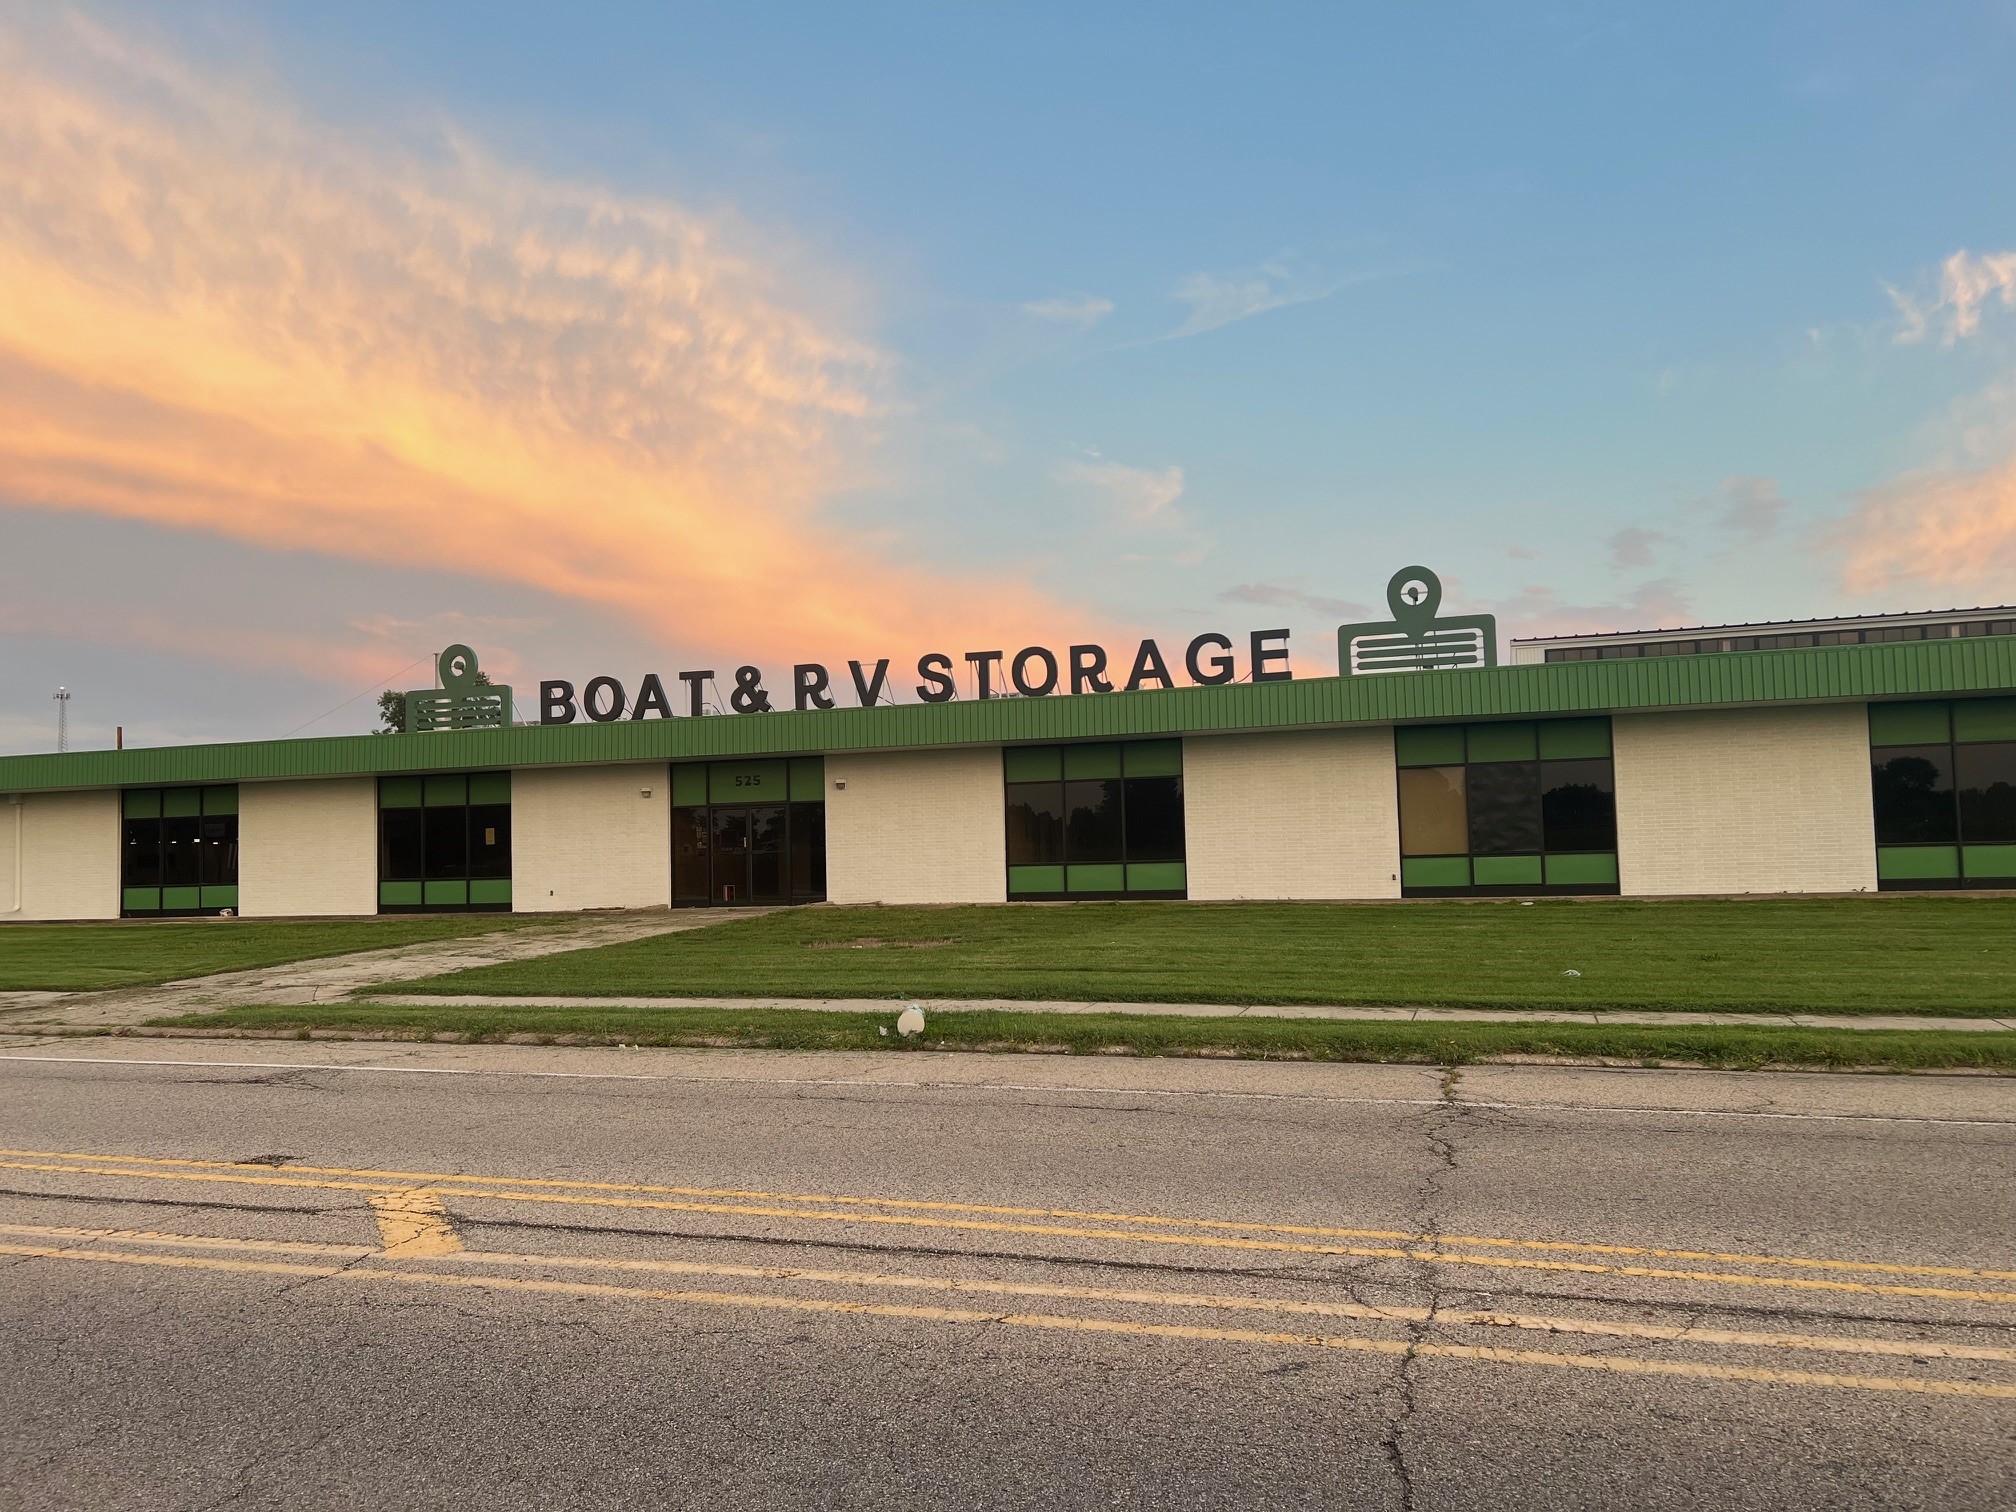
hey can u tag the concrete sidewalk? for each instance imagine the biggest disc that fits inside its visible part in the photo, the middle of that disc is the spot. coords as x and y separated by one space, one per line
1221 1010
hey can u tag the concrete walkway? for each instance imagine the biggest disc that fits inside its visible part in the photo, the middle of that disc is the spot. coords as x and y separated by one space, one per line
1223 1010
330 979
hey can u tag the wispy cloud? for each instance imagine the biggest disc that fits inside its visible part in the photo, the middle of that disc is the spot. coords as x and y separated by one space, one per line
217 315
1282 596
1966 285
1073 309
1633 546
1652 605
1221 299
1140 497
1752 509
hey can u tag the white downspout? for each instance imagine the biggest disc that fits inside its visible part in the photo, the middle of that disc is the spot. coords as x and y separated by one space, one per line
14 802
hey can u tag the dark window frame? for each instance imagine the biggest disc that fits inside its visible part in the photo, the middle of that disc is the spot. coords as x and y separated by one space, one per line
203 832
1126 857
801 844
1957 812
430 868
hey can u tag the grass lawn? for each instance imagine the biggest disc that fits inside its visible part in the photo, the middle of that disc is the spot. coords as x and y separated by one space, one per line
1138 1034
1947 955
81 957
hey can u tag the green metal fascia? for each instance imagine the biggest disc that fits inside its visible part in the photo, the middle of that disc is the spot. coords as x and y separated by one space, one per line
1921 669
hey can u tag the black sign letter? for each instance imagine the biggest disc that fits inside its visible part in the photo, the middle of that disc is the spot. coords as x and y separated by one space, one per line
696 683
936 670
983 663
651 696
593 706
1264 656
1148 663
869 689
808 686
1088 670
1221 666
1019 673
556 703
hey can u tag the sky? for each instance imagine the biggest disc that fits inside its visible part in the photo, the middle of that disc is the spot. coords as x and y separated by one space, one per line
632 338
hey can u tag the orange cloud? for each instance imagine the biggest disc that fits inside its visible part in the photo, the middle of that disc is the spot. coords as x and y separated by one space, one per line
1951 529
215 315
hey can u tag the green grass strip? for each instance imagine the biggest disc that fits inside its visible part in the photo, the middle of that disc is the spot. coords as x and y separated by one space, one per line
1940 955
1136 1034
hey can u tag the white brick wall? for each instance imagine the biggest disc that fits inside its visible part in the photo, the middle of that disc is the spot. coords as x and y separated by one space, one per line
308 848
1307 814
916 827
1745 800
68 856
586 837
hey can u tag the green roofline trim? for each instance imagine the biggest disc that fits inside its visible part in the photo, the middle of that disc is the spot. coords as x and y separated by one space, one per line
1911 669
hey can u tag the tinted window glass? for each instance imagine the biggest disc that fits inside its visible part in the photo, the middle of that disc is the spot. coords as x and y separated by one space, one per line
1092 828
1986 779
1914 795
1432 816
1154 818
1035 823
490 840
808 850
689 854
1504 808
218 858
179 864
399 844
1578 808
447 832
140 864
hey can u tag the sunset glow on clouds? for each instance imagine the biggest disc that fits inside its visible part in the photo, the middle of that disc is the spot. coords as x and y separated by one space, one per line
218 316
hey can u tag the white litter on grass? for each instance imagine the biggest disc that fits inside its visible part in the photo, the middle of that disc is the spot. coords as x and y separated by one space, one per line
910 1022
1571 973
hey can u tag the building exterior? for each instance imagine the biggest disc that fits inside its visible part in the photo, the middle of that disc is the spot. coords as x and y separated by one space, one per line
1882 762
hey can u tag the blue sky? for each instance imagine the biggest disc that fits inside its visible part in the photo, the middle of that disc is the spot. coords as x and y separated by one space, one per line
1174 317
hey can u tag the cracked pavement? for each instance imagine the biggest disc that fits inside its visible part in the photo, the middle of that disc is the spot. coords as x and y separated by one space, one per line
741 1280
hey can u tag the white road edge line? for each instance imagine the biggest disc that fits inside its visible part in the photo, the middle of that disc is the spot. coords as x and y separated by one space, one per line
948 1086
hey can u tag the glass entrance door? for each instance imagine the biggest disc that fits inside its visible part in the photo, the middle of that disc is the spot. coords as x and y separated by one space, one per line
748 832
730 857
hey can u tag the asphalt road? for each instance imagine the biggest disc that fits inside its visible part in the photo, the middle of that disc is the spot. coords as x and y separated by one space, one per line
272 1274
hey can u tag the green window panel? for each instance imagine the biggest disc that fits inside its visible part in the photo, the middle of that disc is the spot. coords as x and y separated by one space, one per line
1506 871
1583 871
1153 758
689 786
1084 879
1984 719
446 892
490 787
137 899
1513 741
1435 871
220 800
399 792
1428 745
748 781
220 897
1032 763
1917 863
1035 879
490 890
1909 723
1989 860
398 894
143 803
183 899
448 790
1156 876
808 779
1091 761
181 803
1570 739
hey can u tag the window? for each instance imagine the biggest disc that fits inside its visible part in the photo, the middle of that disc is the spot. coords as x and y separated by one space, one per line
178 851
749 831
1095 820
1512 807
1943 781
444 843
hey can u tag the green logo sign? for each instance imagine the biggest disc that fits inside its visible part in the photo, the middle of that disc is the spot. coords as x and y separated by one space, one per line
1416 639
466 699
